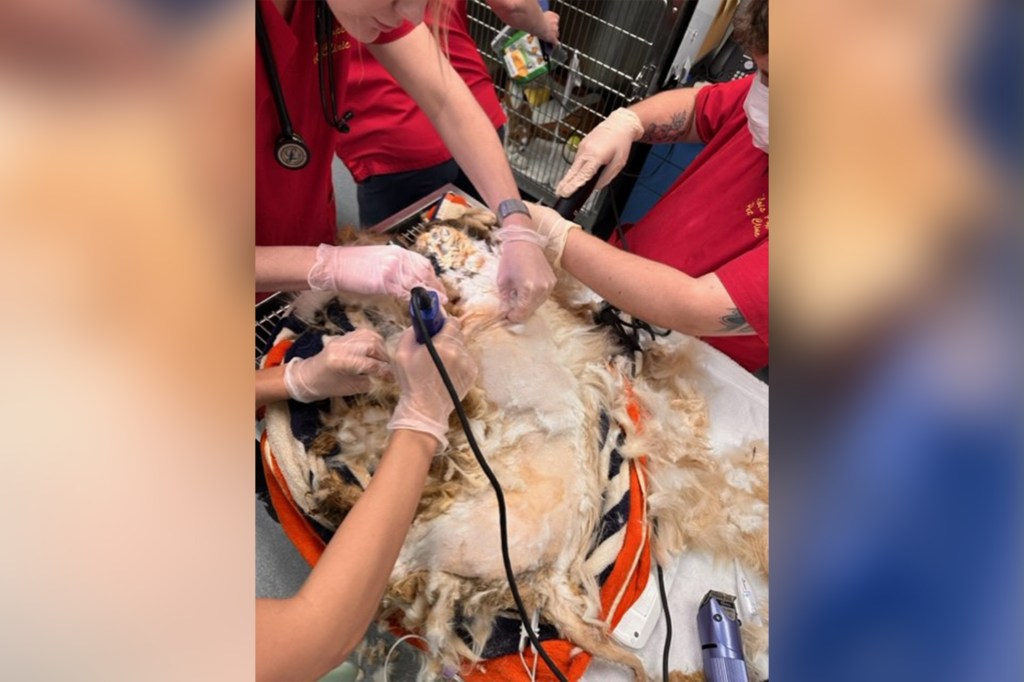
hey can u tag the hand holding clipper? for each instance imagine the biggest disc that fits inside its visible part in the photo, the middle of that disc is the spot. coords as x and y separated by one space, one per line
427 304
424 403
569 206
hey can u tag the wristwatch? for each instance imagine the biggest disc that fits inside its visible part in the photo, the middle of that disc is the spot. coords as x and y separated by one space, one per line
510 206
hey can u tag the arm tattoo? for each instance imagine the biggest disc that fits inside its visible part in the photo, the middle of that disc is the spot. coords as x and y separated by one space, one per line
734 323
673 131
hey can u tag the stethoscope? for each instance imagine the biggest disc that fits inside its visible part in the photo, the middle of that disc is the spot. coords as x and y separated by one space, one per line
290 149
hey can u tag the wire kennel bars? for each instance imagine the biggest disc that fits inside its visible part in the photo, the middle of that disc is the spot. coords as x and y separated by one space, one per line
610 54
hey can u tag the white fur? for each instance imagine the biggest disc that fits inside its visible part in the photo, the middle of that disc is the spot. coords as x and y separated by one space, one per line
541 388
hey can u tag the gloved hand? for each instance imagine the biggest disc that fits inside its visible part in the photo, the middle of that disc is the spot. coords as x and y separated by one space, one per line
389 270
553 226
607 145
524 277
343 367
424 404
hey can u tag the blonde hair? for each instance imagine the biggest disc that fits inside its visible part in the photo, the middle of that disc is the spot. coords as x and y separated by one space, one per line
436 18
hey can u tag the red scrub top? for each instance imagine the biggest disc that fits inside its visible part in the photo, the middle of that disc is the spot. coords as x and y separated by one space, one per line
714 218
390 133
296 207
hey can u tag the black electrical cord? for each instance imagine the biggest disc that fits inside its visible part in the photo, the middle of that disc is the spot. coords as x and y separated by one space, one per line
662 160
502 520
637 327
668 625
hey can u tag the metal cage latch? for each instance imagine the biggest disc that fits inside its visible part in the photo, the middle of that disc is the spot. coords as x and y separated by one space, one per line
641 84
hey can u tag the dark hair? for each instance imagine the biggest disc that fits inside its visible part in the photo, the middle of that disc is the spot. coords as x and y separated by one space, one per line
750 27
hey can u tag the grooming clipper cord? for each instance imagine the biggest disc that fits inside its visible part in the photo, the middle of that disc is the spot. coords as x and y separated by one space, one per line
718 627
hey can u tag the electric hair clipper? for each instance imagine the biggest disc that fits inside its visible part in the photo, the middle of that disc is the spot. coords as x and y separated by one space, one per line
718 627
569 206
424 305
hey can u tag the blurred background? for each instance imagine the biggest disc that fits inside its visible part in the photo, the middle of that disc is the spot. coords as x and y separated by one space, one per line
126 205
896 389
125 278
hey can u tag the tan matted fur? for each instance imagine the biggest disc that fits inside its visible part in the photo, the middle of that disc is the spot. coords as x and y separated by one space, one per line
535 411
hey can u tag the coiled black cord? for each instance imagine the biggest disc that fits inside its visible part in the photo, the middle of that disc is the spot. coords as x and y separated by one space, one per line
502 514
626 331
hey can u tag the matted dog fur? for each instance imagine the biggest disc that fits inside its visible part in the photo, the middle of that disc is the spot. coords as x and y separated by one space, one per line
535 409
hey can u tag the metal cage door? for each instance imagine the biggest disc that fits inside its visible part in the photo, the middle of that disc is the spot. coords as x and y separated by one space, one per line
610 52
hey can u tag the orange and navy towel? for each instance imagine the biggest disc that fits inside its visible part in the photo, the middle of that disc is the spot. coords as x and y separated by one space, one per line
619 556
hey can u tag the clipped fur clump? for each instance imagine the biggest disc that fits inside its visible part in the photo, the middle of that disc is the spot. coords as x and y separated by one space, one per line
535 410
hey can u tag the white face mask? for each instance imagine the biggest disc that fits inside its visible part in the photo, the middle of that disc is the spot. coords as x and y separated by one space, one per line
756 108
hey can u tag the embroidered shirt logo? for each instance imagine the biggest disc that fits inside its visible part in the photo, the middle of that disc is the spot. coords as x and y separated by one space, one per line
757 211
335 45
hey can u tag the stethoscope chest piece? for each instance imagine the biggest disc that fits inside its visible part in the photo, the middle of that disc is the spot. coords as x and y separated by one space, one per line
291 151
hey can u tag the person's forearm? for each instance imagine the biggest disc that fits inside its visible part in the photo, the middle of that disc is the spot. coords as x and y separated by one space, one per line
440 92
668 116
270 386
476 147
654 292
365 547
325 621
474 143
525 15
283 268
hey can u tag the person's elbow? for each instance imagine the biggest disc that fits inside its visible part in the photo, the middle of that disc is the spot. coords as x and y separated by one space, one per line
338 653
704 323
333 642
296 640
704 308
692 324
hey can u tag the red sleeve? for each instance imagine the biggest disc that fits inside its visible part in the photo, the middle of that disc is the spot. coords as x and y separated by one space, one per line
746 279
717 103
392 36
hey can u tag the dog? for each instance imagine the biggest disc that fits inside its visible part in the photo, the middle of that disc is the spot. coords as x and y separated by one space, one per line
557 402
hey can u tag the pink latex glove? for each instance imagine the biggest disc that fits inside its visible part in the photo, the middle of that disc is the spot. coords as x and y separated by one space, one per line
525 278
554 227
607 145
343 367
389 270
424 404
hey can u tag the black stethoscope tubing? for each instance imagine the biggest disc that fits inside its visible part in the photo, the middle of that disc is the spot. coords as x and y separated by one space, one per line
325 62
290 149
